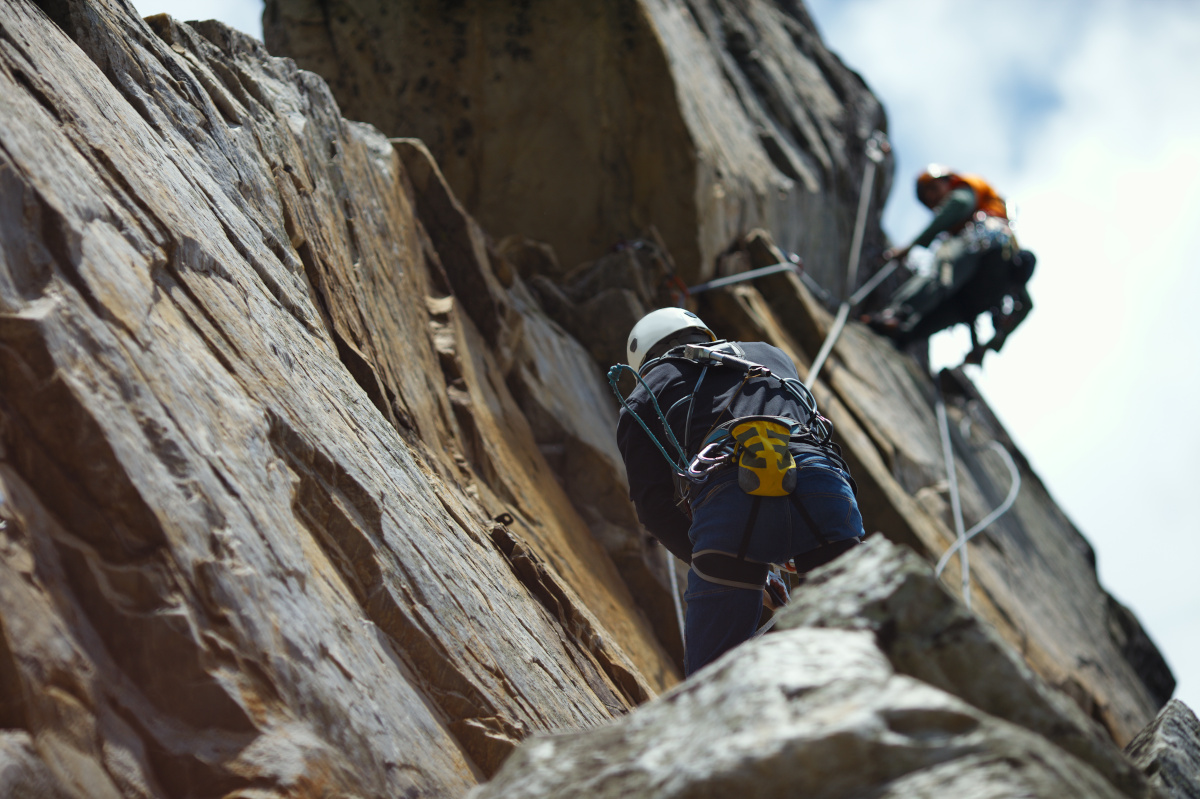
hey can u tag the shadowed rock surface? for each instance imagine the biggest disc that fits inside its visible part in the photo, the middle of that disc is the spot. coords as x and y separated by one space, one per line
705 118
254 440
308 487
1168 750
822 712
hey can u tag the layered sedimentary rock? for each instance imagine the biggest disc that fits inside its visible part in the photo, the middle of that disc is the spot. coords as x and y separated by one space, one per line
308 485
1168 751
926 634
705 118
833 705
272 518
747 92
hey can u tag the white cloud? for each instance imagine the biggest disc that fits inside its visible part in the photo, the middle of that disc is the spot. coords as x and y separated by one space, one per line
1084 114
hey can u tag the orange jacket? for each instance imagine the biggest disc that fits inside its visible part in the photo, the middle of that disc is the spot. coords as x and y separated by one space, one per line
986 198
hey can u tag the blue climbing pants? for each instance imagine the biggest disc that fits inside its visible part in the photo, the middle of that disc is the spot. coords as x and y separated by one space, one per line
719 617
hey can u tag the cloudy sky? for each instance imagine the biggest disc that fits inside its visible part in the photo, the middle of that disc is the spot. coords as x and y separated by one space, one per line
1083 113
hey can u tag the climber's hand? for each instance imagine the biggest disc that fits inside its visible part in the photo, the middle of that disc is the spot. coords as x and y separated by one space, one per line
775 594
896 253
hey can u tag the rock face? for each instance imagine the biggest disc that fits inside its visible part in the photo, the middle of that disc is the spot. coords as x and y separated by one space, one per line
1169 751
256 428
532 138
825 712
308 485
929 636
581 124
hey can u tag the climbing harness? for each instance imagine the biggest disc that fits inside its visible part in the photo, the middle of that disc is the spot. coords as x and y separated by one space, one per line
758 446
985 232
708 458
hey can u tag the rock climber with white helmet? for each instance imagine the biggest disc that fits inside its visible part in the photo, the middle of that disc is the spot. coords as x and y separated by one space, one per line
730 466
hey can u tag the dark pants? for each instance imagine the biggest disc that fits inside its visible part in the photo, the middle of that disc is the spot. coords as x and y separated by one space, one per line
978 282
719 617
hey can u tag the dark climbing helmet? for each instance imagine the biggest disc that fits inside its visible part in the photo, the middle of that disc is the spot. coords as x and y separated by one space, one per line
932 173
658 326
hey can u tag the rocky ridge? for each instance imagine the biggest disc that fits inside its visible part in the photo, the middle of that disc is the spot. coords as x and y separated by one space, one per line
877 683
705 118
255 443
1168 751
308 488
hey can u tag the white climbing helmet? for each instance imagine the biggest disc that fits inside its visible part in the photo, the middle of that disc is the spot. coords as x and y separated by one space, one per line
657 326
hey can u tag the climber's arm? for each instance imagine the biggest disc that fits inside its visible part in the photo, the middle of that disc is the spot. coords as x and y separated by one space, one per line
652 489
954 210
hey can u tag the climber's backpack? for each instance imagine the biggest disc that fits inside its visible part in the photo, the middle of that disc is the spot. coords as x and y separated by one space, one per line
758 445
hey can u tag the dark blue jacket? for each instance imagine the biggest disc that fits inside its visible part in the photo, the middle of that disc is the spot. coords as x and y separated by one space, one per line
651 484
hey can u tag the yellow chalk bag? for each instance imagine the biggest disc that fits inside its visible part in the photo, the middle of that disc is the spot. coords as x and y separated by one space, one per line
765 466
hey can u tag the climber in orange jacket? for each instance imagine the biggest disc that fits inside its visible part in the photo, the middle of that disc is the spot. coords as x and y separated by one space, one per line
978 267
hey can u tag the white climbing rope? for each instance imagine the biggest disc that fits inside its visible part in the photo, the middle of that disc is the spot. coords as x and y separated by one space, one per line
955 504
875 280
875 148
669 559
962 537
831 338
1013 489
741 277
793 264
770 623
840 320
774 616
